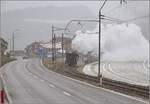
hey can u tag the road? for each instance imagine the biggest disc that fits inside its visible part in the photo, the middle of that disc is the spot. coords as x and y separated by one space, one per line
29 82
131 72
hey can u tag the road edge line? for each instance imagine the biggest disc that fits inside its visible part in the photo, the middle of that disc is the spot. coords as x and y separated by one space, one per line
88 84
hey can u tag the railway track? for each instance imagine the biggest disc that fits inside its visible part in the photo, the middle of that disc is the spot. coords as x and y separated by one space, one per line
130 89
123 87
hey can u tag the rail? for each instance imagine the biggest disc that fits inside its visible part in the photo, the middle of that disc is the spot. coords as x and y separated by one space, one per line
142 91
119 86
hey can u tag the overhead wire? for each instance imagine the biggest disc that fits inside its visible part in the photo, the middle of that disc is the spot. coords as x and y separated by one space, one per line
133 19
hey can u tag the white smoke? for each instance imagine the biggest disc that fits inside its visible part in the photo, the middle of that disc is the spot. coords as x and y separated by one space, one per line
119 42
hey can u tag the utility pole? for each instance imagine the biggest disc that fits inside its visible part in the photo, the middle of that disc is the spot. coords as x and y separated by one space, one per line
99 76
54 38
13 42
99 54
99 44
10 44
62 44
52 43
53 48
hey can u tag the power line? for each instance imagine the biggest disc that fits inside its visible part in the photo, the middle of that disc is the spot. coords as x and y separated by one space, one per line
112 19
136 18
123 21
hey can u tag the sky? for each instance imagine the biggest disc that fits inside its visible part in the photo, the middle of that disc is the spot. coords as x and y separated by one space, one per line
93 5
13 5
31 25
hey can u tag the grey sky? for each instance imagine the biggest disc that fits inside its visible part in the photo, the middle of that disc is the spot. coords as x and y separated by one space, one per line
13 5
40 25
93 5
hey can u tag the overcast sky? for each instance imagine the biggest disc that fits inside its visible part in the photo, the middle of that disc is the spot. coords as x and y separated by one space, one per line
131 10
93 5
13 5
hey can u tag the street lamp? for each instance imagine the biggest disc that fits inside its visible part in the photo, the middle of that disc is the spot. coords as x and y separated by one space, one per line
13 36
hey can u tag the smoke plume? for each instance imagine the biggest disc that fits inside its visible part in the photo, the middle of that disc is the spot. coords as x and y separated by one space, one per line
119 42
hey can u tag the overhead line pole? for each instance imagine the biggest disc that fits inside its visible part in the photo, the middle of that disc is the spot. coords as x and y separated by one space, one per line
13 42
54 43
99 53
62 44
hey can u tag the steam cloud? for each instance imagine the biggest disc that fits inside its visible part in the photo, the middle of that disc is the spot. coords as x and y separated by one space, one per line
119 42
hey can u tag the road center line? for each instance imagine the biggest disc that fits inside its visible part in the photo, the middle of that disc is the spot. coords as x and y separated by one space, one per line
51 85
66 93
34 76
42 80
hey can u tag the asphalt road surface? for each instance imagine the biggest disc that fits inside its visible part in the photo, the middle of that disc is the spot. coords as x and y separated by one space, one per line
29 82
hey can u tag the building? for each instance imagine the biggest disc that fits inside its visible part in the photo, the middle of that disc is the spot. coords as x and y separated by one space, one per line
32 49
44 49
3 48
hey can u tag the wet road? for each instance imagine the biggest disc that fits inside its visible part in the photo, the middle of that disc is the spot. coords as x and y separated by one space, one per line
30 83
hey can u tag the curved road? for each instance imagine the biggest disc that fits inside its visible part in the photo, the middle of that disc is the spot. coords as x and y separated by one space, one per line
29 82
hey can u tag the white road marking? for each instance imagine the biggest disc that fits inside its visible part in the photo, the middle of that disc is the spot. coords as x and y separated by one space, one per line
51 85
85 83
108 90
34 76
42 80
66 93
